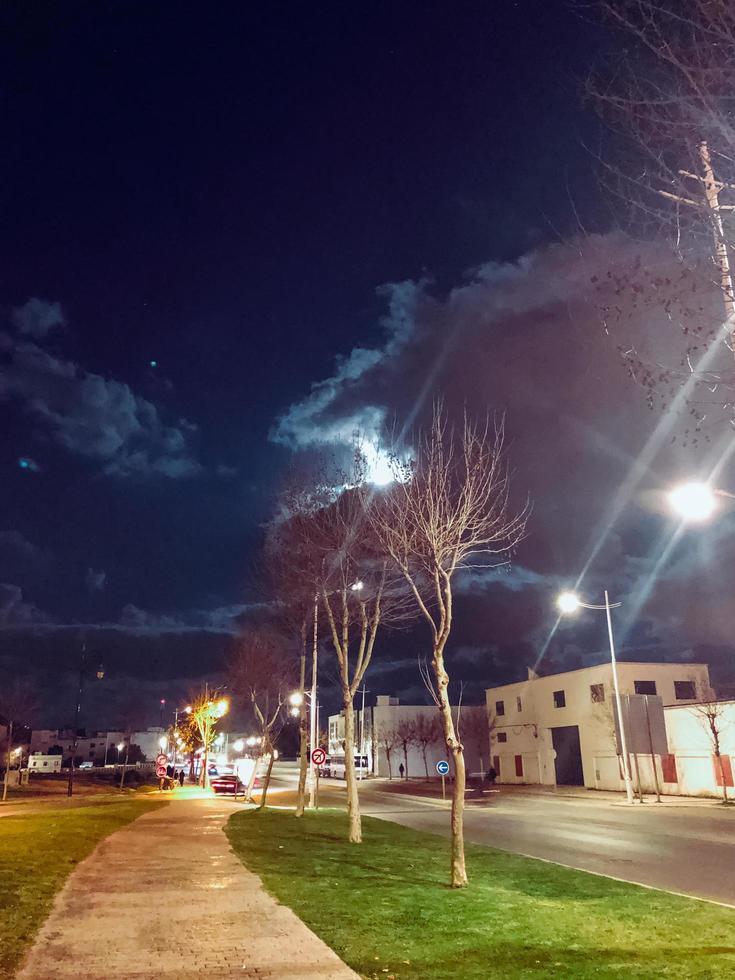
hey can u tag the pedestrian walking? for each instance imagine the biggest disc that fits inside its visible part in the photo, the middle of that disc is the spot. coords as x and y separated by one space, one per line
181 778
401 770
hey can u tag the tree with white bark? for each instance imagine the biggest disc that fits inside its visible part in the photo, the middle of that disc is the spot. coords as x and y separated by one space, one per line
358 593
448 508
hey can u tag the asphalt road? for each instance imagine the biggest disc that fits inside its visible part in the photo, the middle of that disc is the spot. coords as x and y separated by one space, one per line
680 848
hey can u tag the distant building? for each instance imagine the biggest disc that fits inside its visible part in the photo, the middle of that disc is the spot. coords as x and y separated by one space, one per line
44 763
378 734
95 747
560 729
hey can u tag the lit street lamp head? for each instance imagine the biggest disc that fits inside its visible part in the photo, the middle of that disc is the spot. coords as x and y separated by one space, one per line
693 501
568 602
296 699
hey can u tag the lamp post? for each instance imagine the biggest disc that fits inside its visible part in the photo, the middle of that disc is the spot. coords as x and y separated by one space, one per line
696 502
569 602
80 688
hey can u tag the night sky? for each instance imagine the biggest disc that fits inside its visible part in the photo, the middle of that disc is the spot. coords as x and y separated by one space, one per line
232 233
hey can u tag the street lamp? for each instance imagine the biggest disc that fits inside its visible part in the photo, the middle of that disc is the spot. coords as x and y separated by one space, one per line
696 502
239 745
569 602
163 743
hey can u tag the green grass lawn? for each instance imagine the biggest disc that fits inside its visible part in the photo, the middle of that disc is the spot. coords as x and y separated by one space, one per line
385 908
37 852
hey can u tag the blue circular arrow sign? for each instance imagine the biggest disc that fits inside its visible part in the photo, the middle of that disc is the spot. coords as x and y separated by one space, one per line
442 767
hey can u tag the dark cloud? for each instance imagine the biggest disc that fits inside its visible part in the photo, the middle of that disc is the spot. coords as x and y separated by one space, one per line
15 611
95 581
37 318
95 417
535 339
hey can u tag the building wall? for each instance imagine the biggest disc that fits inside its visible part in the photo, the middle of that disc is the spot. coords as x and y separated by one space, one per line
44 763
530 712
693 768
386 715
92 747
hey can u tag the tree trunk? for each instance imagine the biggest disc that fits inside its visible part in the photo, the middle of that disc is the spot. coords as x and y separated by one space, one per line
267 780
251 781
454 747
303 733
390 771
405 759
722 775
353 801
426 764
7 759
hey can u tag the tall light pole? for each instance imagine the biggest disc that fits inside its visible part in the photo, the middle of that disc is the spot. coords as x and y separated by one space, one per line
569 602
312 710
77 714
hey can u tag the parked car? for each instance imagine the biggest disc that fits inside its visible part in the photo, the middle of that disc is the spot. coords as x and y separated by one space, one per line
230 785
87 764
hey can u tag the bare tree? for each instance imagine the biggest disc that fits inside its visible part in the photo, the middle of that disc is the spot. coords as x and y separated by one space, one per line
667 98
387 739
474 727
406 737
449 508
17 705
293 573
262 670
358 595
427 731
712 714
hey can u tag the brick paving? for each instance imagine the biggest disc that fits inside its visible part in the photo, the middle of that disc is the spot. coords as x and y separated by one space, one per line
167 897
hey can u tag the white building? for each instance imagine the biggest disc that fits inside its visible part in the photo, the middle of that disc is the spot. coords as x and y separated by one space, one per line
379 734
560 729
692 768
96 746
44 763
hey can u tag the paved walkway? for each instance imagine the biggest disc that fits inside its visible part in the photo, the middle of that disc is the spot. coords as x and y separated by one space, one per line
167 897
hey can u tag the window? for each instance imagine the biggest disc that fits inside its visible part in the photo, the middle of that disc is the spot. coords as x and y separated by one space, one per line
685 690
644 687
502 736
519 765
668 768
560 700
723 767
597 693
500 707
519 703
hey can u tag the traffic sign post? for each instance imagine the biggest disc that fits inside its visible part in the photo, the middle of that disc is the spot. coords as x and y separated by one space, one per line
442 767
318 757
161 759
160 771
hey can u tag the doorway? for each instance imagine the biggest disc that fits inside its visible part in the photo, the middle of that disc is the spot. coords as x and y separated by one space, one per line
568 755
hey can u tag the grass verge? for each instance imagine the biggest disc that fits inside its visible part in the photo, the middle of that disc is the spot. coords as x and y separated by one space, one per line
37 852
385 908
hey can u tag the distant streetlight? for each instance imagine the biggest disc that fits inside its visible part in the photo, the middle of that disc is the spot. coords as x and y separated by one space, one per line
163 742
696 502
569 602
120 746
239 745
296 699
357 586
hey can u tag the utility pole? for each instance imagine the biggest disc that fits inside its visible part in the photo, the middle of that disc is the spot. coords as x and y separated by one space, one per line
77 714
